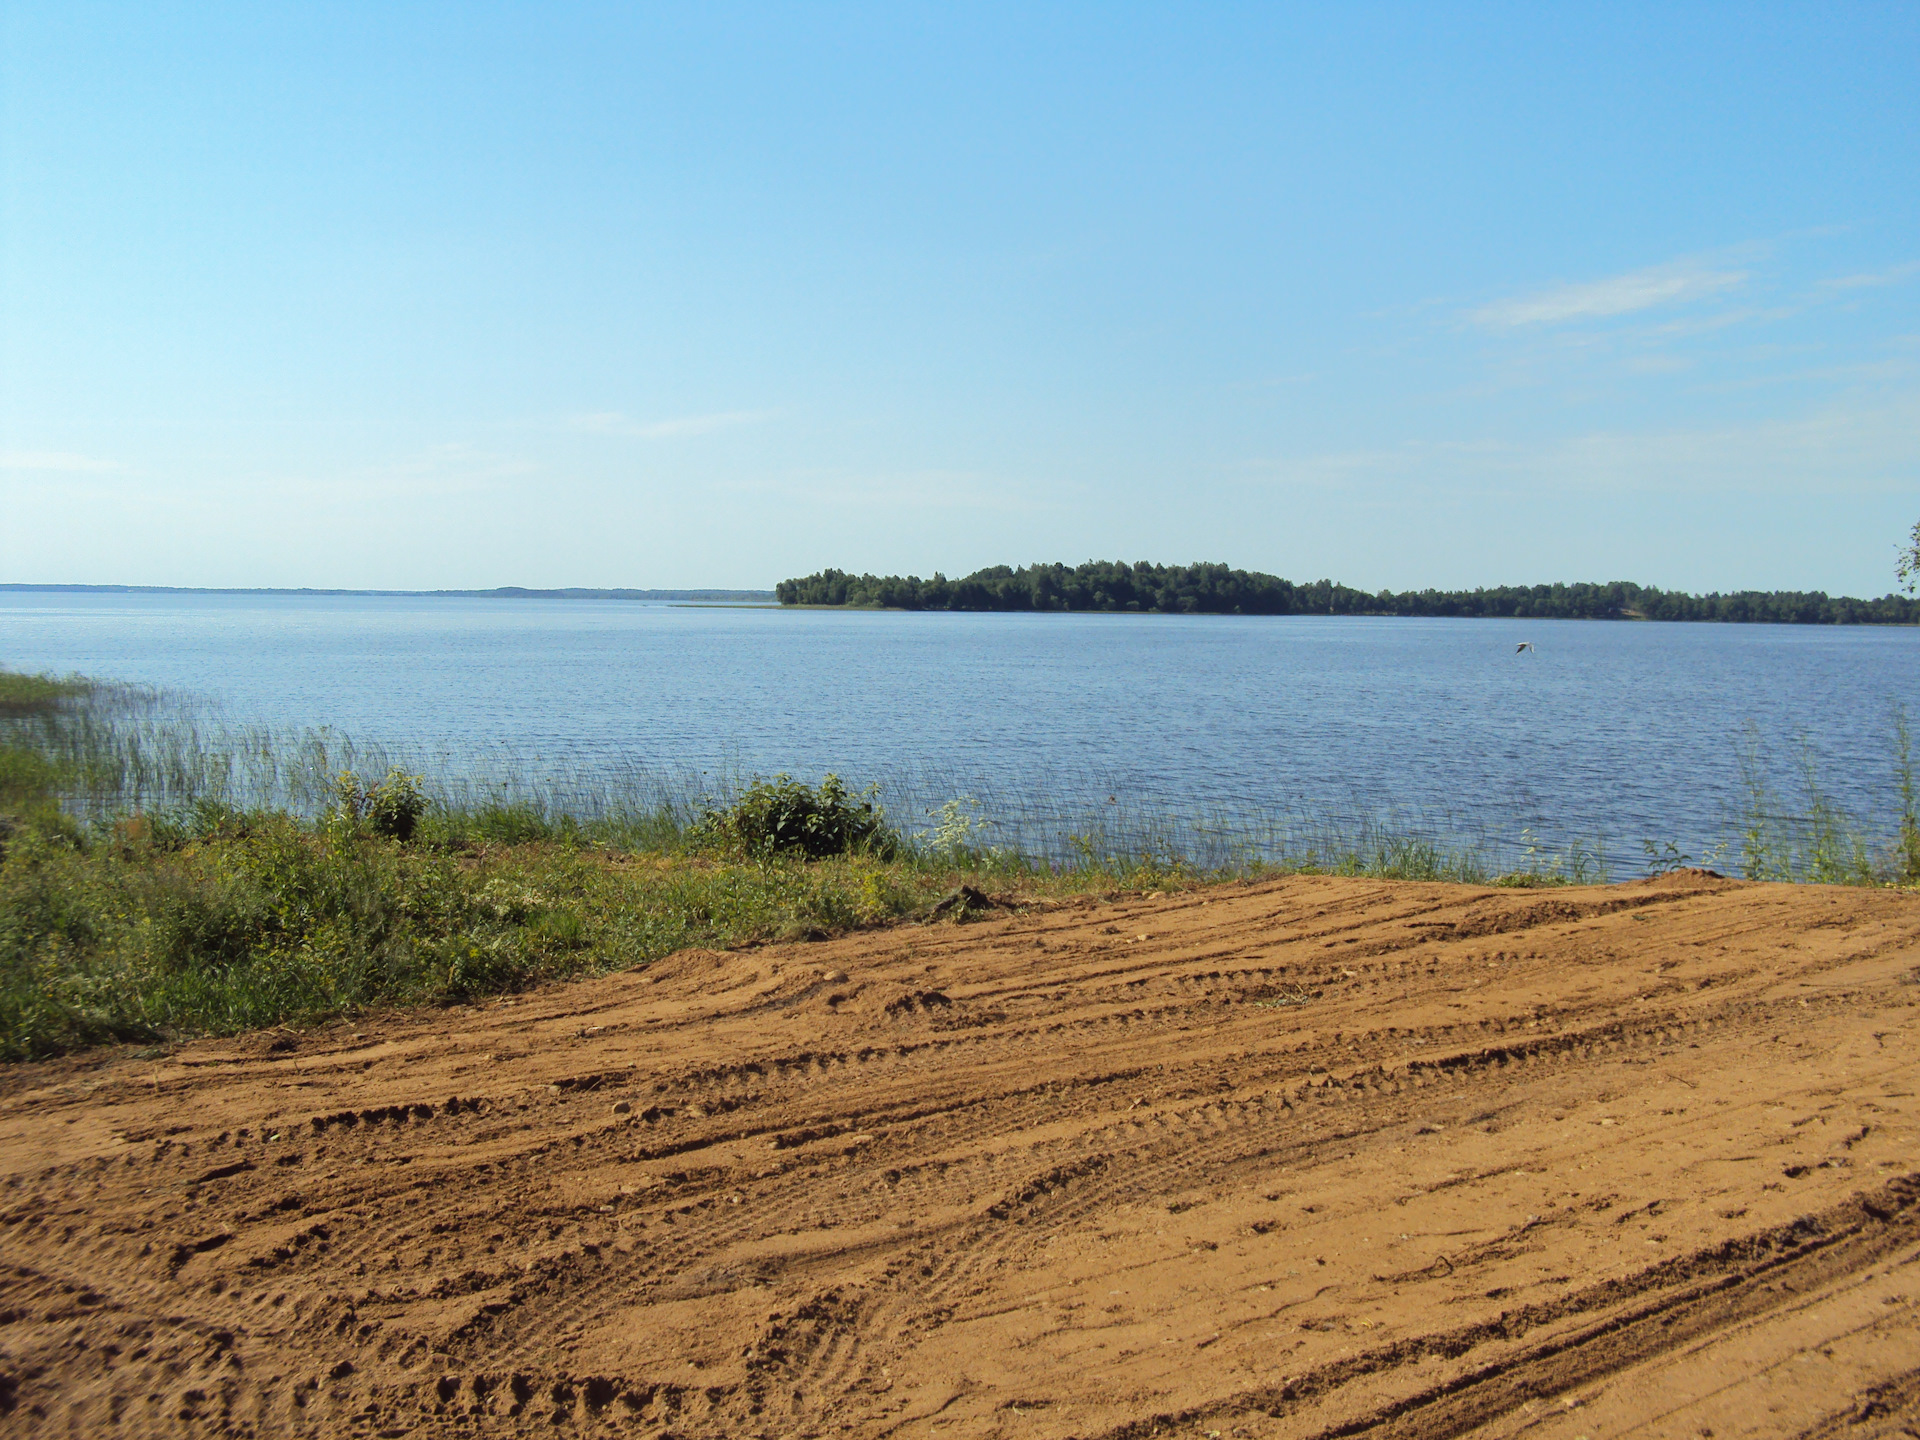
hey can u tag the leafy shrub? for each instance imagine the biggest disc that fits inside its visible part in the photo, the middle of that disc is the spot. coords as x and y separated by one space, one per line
395 805
392 808
780 815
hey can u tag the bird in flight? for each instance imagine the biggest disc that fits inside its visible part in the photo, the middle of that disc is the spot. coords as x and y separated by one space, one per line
1523 645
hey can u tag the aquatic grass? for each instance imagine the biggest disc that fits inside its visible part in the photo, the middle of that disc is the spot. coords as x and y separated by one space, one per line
23 695
103 750
1836 851
129 750
126 749
1580 863
1808 837
1909 841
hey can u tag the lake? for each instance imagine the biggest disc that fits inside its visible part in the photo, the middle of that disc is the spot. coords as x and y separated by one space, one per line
1610 731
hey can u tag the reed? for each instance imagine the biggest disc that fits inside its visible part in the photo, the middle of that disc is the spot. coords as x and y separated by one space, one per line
1909 841
1802 834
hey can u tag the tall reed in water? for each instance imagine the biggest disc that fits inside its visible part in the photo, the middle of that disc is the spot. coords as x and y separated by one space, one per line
1909 844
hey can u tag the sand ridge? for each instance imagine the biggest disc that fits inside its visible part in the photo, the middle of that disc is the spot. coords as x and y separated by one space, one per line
1309 1157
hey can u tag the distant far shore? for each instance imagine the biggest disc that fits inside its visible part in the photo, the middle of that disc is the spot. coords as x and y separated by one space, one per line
1210 588
503 592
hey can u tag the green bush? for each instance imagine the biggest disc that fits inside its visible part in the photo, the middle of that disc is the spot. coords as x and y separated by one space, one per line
783 815
392 808
395 805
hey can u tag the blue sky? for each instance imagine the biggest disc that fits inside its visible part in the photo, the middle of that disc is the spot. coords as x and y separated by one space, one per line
467 295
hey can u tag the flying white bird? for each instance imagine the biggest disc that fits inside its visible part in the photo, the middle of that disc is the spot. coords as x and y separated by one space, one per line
1523 645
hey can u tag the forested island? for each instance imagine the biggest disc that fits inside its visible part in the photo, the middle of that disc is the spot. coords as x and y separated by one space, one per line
1213 589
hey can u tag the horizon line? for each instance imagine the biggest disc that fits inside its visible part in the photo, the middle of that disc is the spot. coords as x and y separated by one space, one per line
516 592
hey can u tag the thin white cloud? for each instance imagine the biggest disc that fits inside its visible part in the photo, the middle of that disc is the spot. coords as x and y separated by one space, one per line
1845 449
453 470
1659 364
612 422
1706 324
58 461
1617 295
917 491
1891 276
455 460
1276 382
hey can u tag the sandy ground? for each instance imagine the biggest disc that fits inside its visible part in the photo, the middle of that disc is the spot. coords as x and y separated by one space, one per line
1309 1158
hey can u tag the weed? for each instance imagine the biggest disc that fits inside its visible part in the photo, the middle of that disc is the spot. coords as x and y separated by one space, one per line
957 834
1577 865
1814 840
1664 859
1909 840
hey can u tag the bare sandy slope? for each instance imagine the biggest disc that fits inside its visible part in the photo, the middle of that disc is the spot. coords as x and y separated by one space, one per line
1309 1158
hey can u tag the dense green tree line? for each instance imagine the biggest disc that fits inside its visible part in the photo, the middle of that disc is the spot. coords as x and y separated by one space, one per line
1209 589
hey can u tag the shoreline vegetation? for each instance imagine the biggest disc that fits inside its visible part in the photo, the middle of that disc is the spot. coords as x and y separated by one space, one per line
1206 588
161 878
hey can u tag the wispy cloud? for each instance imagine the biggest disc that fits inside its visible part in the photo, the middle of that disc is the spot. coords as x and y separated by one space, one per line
1277 382
915 492
1892 276
455 463
57 461
612 422
1617 295
436 473
1843 449
1659 364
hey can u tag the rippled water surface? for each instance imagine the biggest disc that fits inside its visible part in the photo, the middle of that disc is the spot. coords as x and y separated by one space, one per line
1616 731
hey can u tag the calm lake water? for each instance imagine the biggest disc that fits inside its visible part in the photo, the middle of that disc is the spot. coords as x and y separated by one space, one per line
1610 731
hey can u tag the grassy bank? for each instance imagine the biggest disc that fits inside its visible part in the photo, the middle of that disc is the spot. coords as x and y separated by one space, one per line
159 879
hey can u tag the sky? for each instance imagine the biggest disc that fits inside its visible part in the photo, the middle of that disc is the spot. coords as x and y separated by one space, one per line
421 296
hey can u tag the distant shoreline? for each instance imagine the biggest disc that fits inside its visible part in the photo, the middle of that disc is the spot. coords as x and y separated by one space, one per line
1211 588
503 592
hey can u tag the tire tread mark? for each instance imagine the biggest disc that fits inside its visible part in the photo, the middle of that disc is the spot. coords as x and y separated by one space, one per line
1678 1300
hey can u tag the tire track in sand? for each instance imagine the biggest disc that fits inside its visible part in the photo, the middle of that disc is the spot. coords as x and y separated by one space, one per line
1309 1157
